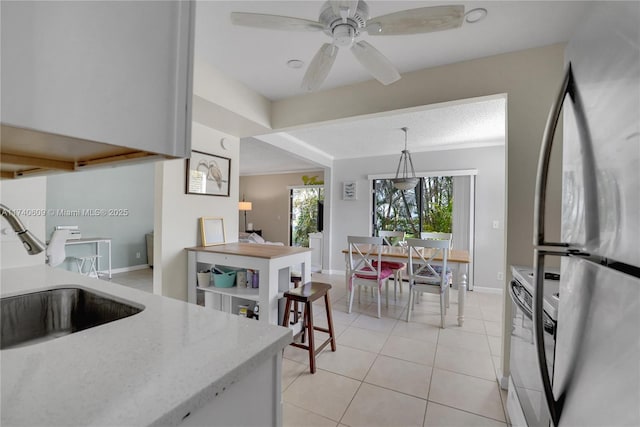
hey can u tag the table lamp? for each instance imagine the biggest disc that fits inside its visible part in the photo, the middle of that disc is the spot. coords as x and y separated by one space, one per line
244 206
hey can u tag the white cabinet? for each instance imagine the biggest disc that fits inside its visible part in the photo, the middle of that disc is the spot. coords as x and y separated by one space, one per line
315 243
118 73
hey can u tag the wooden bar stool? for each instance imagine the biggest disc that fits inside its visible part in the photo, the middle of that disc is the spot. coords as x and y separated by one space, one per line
306 295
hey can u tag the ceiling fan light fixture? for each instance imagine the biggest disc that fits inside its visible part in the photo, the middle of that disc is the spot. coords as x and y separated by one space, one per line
344 34
405 174
475 15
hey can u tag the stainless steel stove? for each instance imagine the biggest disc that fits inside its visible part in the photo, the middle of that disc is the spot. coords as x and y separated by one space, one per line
526 384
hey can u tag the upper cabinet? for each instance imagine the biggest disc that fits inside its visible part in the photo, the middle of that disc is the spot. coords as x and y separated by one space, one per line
95 82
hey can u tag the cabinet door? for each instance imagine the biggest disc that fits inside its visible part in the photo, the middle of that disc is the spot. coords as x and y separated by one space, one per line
112 72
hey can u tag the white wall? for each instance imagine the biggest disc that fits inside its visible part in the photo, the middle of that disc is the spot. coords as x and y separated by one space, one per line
28 193
355 216
177 213
126 187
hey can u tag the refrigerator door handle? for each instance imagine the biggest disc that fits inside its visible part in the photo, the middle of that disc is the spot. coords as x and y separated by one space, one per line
568 87
554 406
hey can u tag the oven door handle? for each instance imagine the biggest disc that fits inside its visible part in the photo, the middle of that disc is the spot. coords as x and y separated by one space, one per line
517 301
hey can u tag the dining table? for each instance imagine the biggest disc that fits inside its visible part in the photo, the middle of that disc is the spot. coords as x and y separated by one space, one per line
459 259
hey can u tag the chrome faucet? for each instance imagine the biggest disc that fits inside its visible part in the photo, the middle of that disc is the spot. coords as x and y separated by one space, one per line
29 241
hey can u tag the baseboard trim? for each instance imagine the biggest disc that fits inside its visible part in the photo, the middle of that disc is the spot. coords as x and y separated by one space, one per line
125 269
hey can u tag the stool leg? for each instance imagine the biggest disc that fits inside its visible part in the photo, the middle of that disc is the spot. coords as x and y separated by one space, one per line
93 267
327 306
287 308
303 336
312 345
296 313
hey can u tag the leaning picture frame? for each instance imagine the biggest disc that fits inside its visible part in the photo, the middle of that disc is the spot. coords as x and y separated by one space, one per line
212 231
208 174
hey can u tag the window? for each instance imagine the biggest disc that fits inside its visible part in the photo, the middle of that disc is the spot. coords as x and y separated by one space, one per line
306 210
428 207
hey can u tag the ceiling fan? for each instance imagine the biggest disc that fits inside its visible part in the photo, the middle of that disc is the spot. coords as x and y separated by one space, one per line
343 21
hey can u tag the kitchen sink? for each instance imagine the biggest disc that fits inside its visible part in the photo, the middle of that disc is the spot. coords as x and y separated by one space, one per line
41 316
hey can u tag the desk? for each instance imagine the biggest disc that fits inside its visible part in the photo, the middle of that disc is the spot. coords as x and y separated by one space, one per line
459 259
96 241
273 263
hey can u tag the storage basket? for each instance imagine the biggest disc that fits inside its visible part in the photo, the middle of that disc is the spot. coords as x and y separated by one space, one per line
224 280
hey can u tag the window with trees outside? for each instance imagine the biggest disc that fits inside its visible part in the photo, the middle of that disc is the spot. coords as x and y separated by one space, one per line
306 210
427 207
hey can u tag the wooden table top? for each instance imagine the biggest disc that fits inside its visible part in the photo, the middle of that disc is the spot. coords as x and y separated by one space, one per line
455 255
251 249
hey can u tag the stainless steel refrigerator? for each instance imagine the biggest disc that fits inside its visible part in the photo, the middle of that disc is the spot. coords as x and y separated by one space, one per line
595 377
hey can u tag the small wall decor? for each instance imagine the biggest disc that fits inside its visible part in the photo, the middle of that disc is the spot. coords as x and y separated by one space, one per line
349 190
208 174
212 231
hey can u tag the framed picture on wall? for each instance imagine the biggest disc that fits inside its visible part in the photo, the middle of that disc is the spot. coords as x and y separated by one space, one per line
349 190
208 174
212 231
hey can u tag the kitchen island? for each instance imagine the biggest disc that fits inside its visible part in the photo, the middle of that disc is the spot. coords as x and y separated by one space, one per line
172 363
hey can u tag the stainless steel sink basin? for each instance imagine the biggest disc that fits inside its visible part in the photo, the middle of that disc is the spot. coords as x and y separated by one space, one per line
41 316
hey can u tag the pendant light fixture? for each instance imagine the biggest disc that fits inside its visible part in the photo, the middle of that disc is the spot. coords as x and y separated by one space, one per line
403 181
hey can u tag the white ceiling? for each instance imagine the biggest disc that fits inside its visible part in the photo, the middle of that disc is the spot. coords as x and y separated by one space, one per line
257 58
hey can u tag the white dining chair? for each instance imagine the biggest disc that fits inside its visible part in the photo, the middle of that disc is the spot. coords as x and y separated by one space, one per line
363 253
394 238
441 236
437 236
56 254
423 277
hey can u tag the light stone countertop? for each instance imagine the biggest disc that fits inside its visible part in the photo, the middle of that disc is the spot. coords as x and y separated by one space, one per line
150 368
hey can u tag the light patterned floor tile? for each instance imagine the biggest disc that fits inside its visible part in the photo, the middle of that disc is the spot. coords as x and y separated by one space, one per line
470 311
416 331
372 323
400 375
495 344
491 314
465 362
497 365
411 350
493 328
290 371
293 416
347 361
467 393
363 339
469 325
444 416
323 393
455 337
320 315
375 406
296 354
393 311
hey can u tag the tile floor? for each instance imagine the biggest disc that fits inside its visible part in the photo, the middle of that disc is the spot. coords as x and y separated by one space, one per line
387 372
138 279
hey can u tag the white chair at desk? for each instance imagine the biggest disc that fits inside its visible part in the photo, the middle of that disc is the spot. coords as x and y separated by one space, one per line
56 254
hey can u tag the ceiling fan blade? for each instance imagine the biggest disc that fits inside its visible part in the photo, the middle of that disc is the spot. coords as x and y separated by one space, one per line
344 8
319 67
274 22
375 62
417 21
